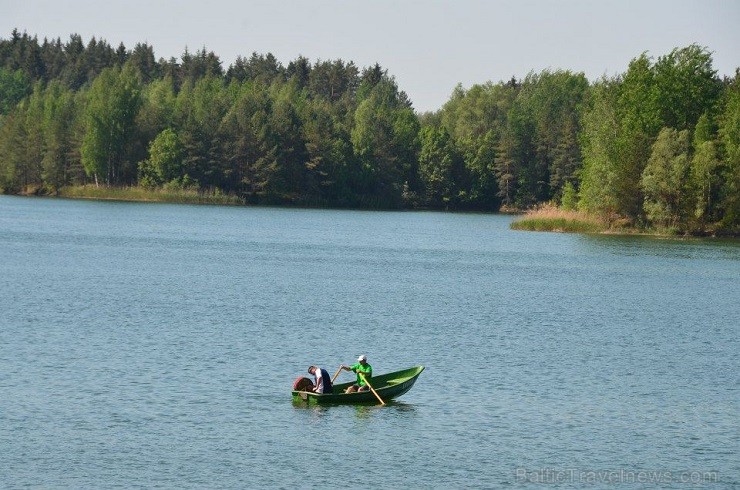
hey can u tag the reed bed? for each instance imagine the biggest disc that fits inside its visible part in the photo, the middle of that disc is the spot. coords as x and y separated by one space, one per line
183 196
552 218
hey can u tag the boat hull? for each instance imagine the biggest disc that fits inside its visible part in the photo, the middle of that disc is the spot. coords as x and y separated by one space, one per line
388 386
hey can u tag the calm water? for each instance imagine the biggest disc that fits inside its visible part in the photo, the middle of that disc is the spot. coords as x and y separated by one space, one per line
155 345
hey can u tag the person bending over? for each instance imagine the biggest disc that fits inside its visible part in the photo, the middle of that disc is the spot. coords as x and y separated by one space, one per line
323 380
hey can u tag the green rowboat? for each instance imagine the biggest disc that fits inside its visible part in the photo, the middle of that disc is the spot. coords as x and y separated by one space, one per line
388 386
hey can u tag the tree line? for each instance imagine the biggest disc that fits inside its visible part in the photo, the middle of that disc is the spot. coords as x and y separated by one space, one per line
656 145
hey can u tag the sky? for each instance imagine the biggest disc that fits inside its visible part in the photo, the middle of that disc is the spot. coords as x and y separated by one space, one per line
428 46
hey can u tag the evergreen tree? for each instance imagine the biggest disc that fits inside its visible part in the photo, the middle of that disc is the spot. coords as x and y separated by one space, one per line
74 74
299 70
441 168
243 130
258 68
385 140
330 162
60 114
333 79
142 58
477 119
13 173
53 57
199 110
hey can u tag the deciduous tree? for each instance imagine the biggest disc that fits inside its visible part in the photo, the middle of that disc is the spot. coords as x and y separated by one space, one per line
113 103
665 179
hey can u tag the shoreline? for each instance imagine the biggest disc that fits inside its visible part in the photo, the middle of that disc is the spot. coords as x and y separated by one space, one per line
543 219
191 196
141 194
557 220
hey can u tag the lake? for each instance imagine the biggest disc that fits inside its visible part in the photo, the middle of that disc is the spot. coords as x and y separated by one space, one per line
155 345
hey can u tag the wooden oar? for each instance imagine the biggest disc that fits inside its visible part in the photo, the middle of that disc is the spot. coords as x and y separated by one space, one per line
336 374
371 388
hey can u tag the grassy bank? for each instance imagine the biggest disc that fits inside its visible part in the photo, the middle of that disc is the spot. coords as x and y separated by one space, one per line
182 196
551 218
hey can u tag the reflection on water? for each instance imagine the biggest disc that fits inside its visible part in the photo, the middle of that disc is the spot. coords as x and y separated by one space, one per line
391 406
668 247
361 410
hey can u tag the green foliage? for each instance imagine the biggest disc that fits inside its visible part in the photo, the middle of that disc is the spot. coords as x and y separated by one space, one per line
539 152
263 69
165 160
280 171
332 80
385 140
705 179
330 160
244 137
673 92
634 169
142 58
440 167
330 133
14 86
600 149
569 200
686 86
729 132
12 142
199 110
158 108
480 188
113 103
37 140
705 130
60 113
476 119
665 179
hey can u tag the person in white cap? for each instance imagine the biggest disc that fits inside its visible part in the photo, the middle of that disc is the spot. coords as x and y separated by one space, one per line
361 367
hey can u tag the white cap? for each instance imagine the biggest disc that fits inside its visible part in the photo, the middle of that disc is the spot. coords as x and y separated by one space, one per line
362 358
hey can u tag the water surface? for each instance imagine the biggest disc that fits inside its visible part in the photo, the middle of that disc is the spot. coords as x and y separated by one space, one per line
155 345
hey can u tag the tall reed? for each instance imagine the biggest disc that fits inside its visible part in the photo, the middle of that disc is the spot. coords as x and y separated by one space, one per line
152 195
552 218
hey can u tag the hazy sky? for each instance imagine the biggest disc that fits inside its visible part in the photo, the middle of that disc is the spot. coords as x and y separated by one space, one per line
429 46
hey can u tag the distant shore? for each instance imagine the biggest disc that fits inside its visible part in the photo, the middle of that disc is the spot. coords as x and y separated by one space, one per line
194 196
137 194
544 218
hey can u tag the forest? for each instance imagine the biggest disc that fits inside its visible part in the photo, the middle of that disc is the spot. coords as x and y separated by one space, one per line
655 146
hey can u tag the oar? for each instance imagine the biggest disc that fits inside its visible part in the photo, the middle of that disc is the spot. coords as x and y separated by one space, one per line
371 388
336 374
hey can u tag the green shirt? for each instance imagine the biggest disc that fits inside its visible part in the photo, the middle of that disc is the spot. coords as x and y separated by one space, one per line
367 370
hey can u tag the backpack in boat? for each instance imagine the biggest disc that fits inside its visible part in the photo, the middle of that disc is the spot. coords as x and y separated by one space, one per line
302 384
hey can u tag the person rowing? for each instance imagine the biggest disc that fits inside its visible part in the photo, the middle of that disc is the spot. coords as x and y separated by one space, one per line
362 367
